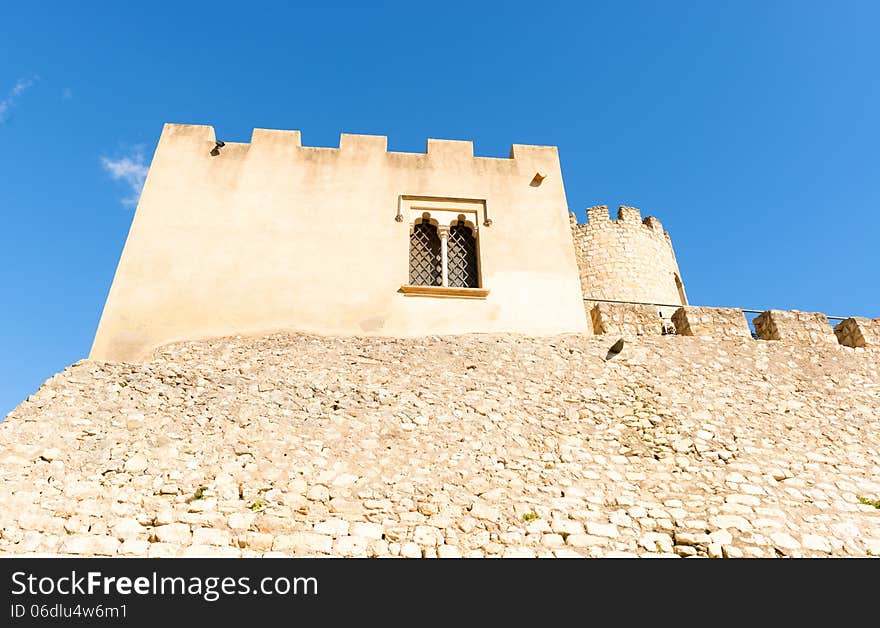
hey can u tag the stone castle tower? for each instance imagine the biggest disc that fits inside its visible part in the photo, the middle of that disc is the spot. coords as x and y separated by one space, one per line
628 259
244 238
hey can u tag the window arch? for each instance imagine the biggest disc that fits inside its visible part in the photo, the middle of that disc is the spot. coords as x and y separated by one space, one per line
425 265
462 257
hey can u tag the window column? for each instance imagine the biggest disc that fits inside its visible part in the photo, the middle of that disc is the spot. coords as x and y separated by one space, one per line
444 254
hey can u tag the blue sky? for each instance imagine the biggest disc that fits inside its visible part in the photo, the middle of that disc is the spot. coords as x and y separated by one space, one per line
749 128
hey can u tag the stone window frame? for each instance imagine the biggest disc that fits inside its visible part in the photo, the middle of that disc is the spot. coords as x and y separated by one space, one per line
444 213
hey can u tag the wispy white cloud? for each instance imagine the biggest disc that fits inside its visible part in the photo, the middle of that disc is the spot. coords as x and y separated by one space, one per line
66 93
12 97
131 169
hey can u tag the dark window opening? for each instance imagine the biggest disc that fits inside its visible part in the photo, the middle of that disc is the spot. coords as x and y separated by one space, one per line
425 265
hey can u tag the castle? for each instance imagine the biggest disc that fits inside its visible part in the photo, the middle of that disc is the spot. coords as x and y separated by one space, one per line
235 238
231 238
283 368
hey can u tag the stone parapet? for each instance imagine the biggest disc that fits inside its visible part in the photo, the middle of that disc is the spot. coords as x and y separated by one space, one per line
711 322
858 332
625 319
794 326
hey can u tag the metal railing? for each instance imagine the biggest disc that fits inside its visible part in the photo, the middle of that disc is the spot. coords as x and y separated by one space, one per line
668 327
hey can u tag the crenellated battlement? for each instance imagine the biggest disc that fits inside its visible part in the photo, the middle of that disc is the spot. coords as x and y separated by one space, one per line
439 152
598 217
789 327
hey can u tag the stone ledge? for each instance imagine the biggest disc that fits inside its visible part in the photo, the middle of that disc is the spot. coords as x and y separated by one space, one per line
444 292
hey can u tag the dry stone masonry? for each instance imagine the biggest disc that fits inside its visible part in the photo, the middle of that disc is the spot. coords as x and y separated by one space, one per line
480 445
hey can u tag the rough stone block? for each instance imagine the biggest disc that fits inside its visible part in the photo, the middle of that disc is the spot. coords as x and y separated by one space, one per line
858 332
794 326
632 214
626 319
711 322
598 213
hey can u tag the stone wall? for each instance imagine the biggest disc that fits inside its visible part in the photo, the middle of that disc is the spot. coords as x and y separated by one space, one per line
711 322
858 332
794 326
467 445
628 259
625 319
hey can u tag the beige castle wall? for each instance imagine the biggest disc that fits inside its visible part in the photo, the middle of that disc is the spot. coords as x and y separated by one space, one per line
274 235
628 259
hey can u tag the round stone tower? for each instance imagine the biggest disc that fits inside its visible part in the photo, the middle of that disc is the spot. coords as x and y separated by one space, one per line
628 259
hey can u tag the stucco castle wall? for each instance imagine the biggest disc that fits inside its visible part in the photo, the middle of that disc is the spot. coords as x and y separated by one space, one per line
628 259
275 235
